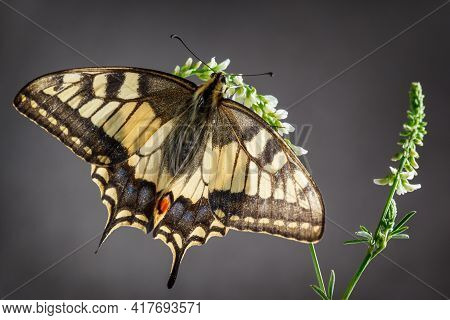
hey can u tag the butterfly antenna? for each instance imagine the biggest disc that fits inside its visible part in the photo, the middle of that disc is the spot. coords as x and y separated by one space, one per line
257 74
175 36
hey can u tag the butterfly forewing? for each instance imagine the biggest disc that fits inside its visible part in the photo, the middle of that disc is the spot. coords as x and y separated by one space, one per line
104 114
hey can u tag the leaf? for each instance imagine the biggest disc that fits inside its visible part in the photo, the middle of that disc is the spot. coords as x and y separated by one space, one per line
364 234
401 236
404 220
331 285
319 292
356 241
364 229
399 230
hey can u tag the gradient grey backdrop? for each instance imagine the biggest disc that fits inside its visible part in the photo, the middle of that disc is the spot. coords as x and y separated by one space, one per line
49 205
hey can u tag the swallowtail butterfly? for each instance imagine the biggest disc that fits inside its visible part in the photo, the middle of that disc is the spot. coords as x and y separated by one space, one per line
175 158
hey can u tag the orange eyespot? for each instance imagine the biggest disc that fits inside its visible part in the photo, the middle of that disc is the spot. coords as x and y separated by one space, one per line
164 204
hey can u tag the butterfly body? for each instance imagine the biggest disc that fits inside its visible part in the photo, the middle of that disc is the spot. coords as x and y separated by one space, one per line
192 128
176 158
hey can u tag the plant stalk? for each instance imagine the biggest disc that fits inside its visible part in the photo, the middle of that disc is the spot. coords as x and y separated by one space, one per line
317 267
373 250
391 193
357 275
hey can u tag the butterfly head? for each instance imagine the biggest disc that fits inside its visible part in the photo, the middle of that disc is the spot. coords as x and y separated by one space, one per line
217 81
212 90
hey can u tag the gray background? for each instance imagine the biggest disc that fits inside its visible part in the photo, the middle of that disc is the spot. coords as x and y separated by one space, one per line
49 206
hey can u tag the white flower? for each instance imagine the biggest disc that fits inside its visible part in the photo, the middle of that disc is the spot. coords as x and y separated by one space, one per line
197 65
382 181
188 72
411 187
401 189
229 91
223 65
212 64
188 62
271 103
285 128
251 99
403 185
177 70
299 151
288 127
281 114
269 109
239 96
238 81
258 111
407 175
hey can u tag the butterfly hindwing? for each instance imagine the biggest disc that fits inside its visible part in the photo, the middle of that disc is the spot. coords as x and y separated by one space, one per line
258 183
129 200
187 224
104 115
130 189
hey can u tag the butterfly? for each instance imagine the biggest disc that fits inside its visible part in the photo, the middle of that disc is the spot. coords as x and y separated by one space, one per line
175 158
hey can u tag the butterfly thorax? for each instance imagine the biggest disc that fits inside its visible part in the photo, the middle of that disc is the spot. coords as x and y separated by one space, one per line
193 124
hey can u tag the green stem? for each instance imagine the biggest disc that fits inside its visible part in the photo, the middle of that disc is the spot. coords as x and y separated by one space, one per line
375 249
391 193
357 275
317 267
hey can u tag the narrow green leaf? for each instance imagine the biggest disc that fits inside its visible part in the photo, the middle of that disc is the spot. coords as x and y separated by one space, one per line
356 241
363 234
401 236
399 230
319 292
331 285
404 220
364 229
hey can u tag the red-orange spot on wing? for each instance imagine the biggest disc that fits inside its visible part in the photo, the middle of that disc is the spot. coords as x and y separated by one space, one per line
164 205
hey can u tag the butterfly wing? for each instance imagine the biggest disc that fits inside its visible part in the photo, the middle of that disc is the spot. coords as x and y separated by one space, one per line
104 115
130 189
129 200
257 182
187 224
